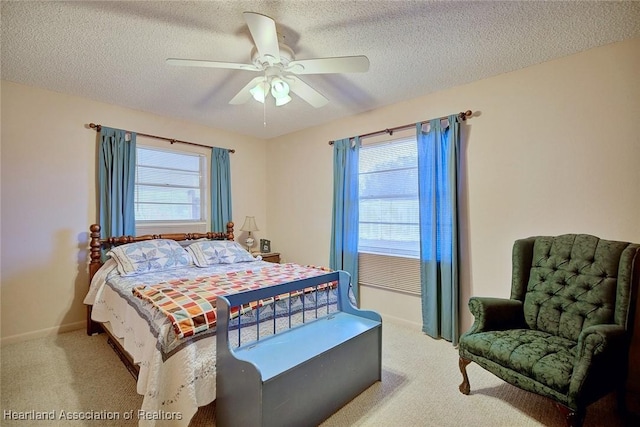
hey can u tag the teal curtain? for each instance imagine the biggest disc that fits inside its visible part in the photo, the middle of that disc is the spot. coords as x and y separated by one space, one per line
116 182
220 189
344 228
438 164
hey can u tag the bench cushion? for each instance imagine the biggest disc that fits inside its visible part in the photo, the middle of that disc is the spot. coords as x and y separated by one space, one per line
538 355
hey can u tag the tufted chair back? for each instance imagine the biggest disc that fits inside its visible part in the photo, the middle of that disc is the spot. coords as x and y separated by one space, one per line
573 281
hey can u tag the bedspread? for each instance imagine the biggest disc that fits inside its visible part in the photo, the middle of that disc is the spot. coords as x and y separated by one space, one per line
190 304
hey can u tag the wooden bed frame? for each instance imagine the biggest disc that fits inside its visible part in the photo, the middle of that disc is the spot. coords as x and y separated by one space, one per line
98 244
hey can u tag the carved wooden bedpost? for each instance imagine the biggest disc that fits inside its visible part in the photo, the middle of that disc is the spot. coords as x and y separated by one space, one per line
94 264
230 235
94 250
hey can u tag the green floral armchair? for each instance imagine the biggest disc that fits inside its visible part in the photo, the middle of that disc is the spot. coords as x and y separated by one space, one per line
565 331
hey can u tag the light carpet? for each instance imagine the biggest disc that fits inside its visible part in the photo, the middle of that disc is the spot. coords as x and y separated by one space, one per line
73 372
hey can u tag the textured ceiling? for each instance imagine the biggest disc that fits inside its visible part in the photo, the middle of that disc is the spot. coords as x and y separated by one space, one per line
115 52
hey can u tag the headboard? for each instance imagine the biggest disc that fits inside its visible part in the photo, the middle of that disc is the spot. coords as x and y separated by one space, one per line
97 244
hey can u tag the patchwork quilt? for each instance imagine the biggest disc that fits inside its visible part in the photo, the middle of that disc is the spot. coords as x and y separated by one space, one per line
190 304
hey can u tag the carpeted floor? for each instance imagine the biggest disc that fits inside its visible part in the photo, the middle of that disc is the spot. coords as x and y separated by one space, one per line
75 373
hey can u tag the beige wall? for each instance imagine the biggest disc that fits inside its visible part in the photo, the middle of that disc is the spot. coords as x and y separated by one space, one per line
551 149
48 198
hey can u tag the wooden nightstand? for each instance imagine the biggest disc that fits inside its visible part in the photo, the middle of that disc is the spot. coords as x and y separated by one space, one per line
270 257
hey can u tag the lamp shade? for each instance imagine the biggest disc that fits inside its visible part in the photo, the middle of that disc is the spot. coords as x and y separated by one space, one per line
279 88
259 91
249 224
282 100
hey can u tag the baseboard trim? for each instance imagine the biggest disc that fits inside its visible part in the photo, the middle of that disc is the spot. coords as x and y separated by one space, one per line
41 333
401 321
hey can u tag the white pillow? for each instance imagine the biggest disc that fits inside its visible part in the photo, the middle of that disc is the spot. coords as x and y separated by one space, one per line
219 252
233 252
203 253
149 255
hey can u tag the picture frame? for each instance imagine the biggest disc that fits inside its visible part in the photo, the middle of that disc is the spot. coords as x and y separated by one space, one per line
265 246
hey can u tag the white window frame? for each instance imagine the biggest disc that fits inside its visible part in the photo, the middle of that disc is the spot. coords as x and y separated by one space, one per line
181 225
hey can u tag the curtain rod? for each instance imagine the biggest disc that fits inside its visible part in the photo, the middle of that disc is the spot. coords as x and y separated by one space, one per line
171 140
463 116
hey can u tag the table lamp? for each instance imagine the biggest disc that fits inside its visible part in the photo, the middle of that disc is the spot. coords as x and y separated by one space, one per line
249 226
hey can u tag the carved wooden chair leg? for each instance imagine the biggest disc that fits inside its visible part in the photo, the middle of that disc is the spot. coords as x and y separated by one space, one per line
464 387
572 418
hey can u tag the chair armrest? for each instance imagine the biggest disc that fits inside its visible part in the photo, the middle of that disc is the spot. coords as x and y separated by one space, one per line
601 359
597 339
495 314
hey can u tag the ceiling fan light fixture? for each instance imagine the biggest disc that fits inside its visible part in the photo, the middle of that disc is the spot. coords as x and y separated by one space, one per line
259 91
279 88
282 100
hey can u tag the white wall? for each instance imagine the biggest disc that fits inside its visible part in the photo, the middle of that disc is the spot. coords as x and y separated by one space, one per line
551 149
49 199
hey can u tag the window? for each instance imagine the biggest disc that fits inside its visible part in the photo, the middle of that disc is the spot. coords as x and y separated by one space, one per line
389 215
389 229
170 186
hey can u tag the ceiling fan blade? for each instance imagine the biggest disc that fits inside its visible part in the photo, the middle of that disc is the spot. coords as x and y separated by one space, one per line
263 31
244 95
211 64
341 64
306 92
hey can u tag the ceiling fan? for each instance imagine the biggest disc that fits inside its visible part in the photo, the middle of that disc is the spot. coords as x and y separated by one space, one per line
278 67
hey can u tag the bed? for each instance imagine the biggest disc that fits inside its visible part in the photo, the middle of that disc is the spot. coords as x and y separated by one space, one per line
154 297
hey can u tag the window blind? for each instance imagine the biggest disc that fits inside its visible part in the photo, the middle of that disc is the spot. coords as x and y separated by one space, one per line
389 272
388 192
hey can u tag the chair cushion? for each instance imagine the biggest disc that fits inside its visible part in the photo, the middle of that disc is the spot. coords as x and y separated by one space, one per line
538 355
